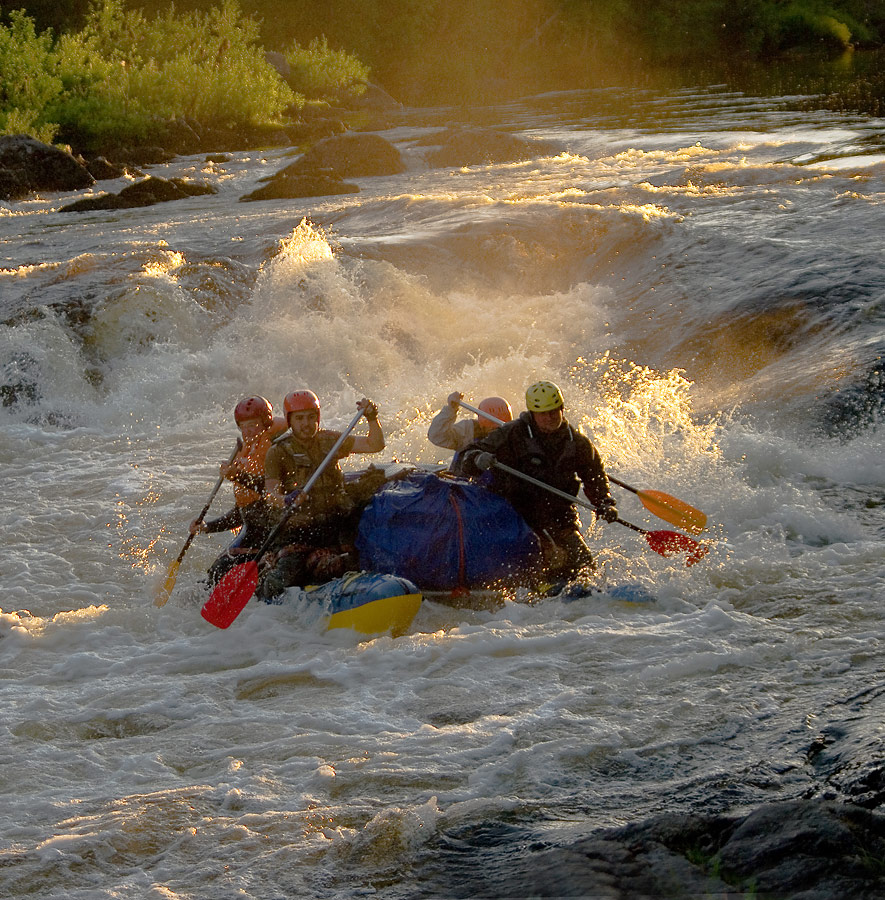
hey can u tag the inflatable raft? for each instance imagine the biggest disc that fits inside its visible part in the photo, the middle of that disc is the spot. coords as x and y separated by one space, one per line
370 603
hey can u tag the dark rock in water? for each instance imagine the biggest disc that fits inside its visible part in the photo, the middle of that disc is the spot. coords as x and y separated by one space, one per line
857 406
813 850
146 156
102 170
143 193
19 381
13 185
314 128
161 190
822 849
35 166
374 99
482 146
290 187
349 156
279 62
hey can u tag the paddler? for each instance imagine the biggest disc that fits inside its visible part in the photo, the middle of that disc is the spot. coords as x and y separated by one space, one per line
542 444
446 432
316 542
258 427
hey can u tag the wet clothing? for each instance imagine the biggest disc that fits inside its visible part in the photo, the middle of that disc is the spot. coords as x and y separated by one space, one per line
291 463
565 460
246 473
323 522
256 520
248 464
251 513
450 434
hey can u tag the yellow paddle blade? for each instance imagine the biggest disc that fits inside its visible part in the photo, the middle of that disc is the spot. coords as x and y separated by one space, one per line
676 512
165 590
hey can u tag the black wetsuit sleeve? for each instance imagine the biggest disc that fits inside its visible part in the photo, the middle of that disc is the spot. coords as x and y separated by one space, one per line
228 522
591 471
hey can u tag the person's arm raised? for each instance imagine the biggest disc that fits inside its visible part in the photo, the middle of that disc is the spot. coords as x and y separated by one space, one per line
373 442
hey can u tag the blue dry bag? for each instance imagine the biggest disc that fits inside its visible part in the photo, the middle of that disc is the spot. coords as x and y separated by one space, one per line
444 533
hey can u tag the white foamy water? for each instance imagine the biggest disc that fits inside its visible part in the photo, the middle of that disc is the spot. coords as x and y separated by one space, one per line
707 290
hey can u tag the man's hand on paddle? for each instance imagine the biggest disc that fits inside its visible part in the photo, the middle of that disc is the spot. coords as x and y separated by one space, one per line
484 461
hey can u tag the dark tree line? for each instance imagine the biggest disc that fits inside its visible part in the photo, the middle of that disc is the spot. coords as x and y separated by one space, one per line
437 50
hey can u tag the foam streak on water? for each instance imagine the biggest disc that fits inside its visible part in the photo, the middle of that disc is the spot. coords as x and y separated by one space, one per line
701 275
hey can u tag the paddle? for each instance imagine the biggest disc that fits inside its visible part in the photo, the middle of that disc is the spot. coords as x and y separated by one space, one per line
667 543
164 591
235 590
670 509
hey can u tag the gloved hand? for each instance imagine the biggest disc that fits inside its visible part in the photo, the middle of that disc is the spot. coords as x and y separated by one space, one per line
454 397
483 461
608 511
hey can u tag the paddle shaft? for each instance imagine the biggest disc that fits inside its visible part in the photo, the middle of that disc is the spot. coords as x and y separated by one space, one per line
172 574
670 509
565 496
234 591
666 543
205 509
310 483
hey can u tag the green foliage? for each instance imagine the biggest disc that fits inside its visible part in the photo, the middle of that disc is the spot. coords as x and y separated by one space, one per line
806 23
675 30
59 15
319 71
28 83
126 69
126 76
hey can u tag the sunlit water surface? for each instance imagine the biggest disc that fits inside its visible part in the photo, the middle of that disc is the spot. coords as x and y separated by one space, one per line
701 271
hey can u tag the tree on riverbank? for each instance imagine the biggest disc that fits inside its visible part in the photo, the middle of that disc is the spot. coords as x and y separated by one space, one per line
126 77
122 72
427 51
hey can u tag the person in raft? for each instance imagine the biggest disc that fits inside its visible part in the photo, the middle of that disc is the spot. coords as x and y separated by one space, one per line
315 544
450 434
541 443
251 514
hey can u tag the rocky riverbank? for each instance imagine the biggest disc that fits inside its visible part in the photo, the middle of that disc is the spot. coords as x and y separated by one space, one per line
28 166
793 850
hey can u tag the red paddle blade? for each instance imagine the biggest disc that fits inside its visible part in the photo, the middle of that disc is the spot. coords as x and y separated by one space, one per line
231 594
669 543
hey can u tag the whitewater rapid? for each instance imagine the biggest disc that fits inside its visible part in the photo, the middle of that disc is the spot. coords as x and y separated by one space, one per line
702 274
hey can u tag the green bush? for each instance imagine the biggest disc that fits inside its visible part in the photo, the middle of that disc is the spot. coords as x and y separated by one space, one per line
318 71
126 77
806 23
27 80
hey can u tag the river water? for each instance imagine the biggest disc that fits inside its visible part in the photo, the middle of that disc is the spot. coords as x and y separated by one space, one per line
701 271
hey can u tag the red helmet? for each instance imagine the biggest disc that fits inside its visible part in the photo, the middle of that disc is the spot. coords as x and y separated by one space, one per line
497 407
254 408
299 400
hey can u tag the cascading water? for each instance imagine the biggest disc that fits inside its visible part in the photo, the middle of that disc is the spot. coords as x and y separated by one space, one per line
703 277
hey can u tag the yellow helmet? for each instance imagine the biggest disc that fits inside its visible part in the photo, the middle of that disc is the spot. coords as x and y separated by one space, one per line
543 396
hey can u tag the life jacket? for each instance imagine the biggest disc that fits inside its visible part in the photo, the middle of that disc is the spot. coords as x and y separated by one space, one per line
536 458
327 496
533 457
249 461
